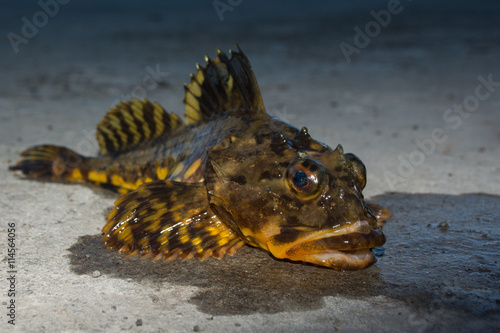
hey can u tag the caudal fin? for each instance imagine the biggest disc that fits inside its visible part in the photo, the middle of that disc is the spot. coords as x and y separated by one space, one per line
50 162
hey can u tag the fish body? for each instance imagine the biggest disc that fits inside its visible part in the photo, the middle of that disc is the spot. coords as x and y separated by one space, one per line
231 175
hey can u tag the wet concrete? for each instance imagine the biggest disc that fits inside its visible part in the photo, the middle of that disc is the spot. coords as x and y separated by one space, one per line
429 267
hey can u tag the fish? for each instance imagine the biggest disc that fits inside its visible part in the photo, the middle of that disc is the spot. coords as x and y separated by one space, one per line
229 175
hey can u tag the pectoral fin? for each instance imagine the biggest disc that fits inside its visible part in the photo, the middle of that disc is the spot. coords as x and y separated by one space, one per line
168 220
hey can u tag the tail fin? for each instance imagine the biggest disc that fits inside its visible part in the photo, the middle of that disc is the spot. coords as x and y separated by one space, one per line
50 162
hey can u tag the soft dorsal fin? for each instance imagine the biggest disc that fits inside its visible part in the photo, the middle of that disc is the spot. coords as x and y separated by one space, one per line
133 122
166 220
223 85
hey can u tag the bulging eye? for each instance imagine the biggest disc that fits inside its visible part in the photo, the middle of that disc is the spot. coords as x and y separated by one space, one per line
300 179
359 170
305 176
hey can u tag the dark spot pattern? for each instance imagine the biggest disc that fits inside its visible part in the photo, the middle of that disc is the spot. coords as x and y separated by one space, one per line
287 236
292 220
291 202
307 164
284 164
274 174
241 180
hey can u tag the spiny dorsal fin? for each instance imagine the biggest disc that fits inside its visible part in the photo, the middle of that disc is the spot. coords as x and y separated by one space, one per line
133 122
223 85
168 220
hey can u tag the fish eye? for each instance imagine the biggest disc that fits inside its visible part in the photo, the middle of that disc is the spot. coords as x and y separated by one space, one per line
304 176
359 170
300 179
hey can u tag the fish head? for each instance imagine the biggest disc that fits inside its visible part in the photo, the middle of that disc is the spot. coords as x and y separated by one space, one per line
294 197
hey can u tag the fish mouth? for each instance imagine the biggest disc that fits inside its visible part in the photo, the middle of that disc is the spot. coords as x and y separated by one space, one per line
345 248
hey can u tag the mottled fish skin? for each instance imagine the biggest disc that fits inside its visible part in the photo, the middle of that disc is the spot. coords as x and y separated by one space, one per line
231 175
289 222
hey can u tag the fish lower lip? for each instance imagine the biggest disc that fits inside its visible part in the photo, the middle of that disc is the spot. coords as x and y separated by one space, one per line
342 260
342 252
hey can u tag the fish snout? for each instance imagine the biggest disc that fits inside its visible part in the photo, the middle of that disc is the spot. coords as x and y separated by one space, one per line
345 248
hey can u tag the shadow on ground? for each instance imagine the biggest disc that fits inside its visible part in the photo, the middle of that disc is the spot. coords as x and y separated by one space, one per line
442 252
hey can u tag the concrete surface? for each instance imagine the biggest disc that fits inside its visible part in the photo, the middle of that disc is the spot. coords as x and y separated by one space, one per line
395 105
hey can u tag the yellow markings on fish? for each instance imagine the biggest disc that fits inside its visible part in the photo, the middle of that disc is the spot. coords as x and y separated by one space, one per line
183 235
132 185
196 241
114 121
153 217
102 143
192 169
132 127
97 176
192 105
224 234
117 180
200 77
213 231
163 239
138 110
138 183
125 186
76 174
143 242
161 173
154 226
177 170
160 206
110 135
158 113
184 239
222 241
143 213
229 87
177 207
196 89
125 234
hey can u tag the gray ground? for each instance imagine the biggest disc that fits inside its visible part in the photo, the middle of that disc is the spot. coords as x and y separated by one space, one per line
439 270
